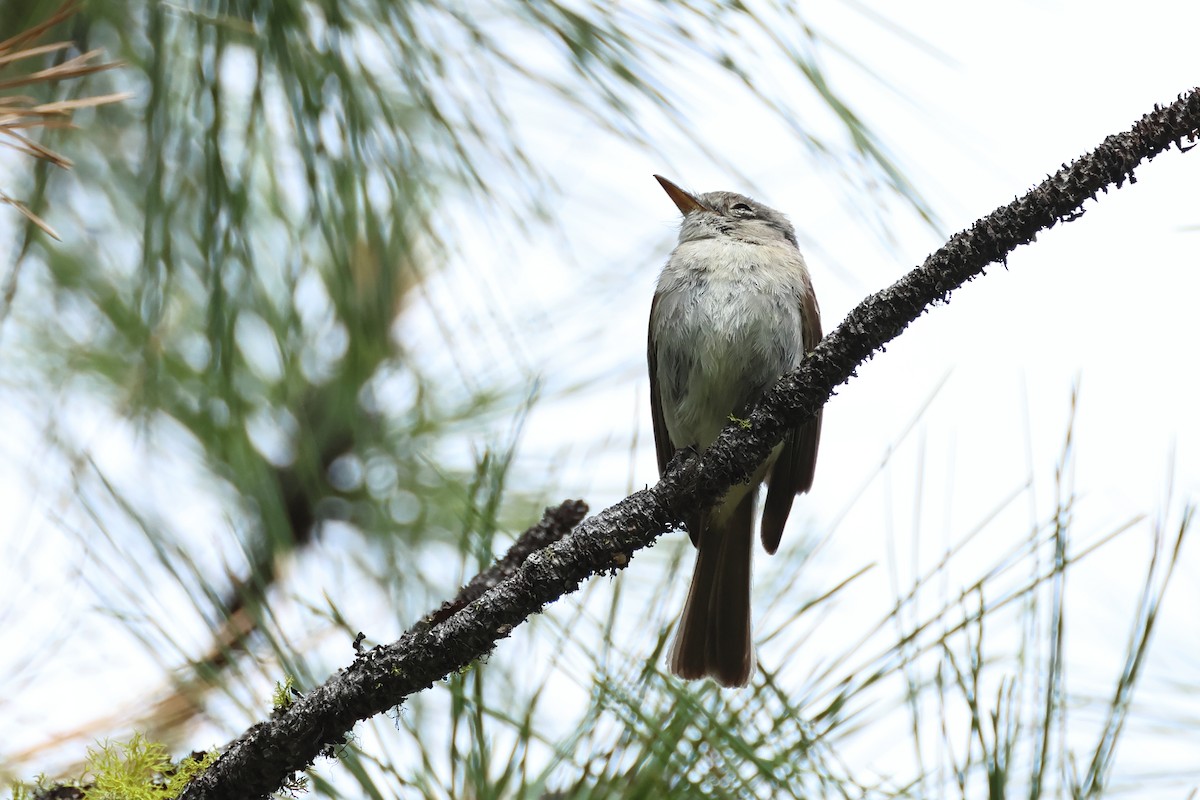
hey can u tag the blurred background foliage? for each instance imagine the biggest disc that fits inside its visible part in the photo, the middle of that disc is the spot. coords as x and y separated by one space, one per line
259 405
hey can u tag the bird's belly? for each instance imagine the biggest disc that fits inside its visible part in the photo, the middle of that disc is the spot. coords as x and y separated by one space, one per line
733 340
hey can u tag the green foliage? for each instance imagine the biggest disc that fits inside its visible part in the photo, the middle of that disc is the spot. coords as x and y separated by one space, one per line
139 770
741 423
284 695
31 791
134 770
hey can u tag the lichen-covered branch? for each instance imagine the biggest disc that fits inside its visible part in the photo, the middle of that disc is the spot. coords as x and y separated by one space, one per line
262 758
554 525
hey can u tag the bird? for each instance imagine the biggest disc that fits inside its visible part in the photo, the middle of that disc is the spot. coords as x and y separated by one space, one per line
733 310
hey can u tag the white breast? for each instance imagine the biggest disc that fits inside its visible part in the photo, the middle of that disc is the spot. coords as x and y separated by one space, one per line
727 324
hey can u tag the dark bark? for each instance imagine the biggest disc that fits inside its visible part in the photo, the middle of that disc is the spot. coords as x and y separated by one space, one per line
556 523
262 758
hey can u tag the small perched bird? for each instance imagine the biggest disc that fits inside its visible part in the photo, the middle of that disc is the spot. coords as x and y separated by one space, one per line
733 311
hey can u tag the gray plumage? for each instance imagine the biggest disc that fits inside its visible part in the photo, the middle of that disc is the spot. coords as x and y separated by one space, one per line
734 309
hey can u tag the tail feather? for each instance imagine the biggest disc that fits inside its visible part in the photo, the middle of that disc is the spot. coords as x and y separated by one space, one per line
713 638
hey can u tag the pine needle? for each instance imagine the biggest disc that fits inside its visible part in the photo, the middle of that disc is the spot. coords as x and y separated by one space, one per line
21 113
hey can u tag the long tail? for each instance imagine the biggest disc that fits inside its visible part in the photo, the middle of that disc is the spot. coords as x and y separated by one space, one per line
713 638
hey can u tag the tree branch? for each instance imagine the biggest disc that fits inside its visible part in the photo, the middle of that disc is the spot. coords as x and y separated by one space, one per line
555 524
263 757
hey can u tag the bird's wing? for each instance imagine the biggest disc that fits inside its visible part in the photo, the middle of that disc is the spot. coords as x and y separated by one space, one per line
662 440
793 471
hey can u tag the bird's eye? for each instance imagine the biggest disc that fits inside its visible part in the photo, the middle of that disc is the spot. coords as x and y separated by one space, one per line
741 209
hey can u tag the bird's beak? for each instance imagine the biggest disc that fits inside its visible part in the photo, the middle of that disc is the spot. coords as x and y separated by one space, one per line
686 203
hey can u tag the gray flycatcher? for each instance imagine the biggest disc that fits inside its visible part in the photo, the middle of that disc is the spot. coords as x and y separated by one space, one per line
734 310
